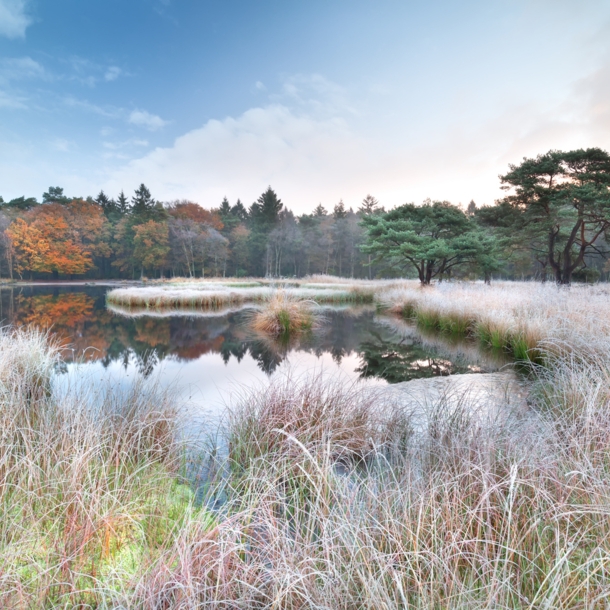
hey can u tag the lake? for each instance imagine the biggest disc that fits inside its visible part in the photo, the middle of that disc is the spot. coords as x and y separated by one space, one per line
208 358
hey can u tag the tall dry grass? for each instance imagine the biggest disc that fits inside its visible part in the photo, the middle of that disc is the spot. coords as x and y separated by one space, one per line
89 487
527 319
284 313
208 298
334 496
338 500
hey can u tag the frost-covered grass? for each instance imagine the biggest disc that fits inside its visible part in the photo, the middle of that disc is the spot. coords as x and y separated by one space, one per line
523 318
210 298
334 496
284 314
90 494
338 500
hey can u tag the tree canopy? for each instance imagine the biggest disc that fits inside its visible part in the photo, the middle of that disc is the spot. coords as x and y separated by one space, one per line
558 206
431 239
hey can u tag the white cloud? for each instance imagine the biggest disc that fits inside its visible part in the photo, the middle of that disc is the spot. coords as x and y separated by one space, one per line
13 18
8 100
146 119
19 68
260 86
305 157
62 145
310 154
112 73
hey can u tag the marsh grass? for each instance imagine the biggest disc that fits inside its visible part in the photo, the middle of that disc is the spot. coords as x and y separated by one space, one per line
89 485
284 314
334 496
523 319
447 505
209 297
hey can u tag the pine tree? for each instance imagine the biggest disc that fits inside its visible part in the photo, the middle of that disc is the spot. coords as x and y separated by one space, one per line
108 205
239 210
55 194
320 210
142 201
122 203
225 208
339 211
369 205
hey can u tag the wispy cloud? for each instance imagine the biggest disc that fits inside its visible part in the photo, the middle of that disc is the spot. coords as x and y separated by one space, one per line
146 119
62 145
20 68
8 100
90 73
105 111
125 144
112 73
314 94
13 18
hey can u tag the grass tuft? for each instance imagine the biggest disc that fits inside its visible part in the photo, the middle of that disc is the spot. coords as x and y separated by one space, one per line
284 314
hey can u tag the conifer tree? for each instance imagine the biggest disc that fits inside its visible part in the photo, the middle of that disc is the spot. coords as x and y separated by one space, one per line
369 205
122 203
142 202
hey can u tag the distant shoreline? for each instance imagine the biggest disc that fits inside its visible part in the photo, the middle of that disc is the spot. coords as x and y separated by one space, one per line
113 283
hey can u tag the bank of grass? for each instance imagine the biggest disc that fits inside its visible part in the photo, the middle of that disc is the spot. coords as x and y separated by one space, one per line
338 499
524 319
90 487
210 297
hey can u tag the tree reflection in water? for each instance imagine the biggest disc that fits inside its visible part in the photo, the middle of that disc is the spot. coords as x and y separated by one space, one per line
77 315
405 359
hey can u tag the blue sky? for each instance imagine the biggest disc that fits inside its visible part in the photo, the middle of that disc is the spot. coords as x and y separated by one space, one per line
321 99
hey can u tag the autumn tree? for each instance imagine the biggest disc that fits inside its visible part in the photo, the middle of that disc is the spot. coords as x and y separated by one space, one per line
29 246
68 234
151 245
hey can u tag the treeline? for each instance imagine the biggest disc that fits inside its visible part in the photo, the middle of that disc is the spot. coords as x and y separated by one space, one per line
103 237
553 224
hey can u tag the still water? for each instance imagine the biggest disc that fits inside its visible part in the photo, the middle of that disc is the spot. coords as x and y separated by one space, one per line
207 359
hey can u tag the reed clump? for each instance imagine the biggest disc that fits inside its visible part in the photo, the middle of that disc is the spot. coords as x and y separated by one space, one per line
288 418
284 314
89 485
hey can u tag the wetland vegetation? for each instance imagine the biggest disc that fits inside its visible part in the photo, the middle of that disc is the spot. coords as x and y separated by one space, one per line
321 493
307 490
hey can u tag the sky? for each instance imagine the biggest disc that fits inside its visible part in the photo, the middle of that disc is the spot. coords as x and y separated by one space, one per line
321 99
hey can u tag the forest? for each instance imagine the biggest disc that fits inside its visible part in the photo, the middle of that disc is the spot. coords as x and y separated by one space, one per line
552 224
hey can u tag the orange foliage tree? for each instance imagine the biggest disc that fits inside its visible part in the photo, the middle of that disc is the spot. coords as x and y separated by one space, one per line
59 239
187 210
29 246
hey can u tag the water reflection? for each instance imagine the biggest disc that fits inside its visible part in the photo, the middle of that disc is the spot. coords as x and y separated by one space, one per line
384 348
